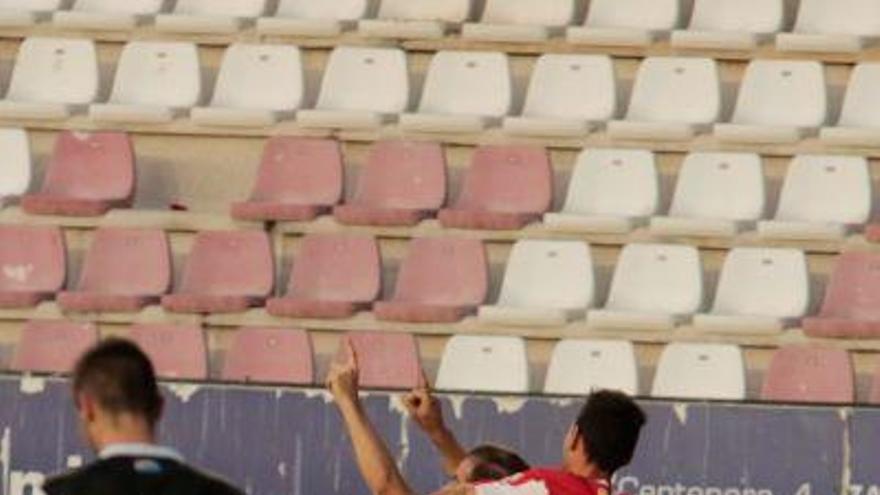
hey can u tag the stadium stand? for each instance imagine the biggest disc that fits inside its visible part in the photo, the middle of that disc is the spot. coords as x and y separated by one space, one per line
34 265
857 124
824 25
700 371
809 373
386 360
731 24
177 351
849 307
580 366
484 364
627 22
53 347
270 355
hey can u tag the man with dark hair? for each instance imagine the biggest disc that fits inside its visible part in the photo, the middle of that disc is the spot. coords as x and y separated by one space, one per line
119 405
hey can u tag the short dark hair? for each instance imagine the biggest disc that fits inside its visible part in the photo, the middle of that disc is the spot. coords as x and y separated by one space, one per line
495 463
120 378
610 423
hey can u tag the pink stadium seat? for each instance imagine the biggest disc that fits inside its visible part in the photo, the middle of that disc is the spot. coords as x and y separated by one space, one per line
299 179
124 270
441 280
810 373
270 355
52 346
402 183
852 299
505 188
386 360
87 175
333 276
872 232
227 272
177 351
33 263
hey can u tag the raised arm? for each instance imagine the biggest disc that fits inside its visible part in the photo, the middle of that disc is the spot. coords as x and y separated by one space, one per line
425 410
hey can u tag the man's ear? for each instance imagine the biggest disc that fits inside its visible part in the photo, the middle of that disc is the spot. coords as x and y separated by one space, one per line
86 407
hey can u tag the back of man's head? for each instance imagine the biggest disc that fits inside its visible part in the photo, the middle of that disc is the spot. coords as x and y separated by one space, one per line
610 424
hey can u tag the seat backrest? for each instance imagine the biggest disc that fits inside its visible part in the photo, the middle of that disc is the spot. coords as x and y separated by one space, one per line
657 278
854 17
484 364
862 95
701 371
676 89
15 176
31 5
229 8
336 267
453 11
728 186
270 355
55 70
614 182
508 178
230 263
365 79
48 346
176 351
810 373
751 16
342 10
260 76
826 188
572 86
638 14
300 171
404 174
96 165
584 366
544 13
139 7
549 274
763 282
853 289
444 271
158 73
32 259
386 360
782 92
467 83
127 262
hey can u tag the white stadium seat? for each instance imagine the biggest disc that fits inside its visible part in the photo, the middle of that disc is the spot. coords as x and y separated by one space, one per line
611 191
655 287
760 291
257 86
823 197
51 79
717 194
731 24
15 175
411 19
464 92
859 123
579 367
210 16
832 26
21 13
546 283
627 22
154 81
362 88
107 15
673 99
779 102
484 364
568 95
521 20
700 372
313 17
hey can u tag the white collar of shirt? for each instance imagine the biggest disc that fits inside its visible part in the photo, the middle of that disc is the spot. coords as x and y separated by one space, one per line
139 450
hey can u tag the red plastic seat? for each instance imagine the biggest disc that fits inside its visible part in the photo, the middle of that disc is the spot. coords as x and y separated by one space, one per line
32 265
852 299
88 174
227 272
811 374
299 179
505 188
386 360
402 183
872 232
333 276
124 270
270 355
441 280
177 351
52 346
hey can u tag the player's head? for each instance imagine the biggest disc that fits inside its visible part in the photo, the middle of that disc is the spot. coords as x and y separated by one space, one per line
605 432
116 394
489 463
